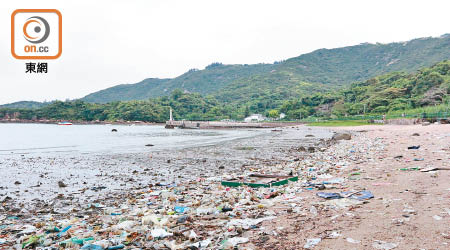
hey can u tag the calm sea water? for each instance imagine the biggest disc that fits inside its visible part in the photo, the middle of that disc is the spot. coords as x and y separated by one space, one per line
48 138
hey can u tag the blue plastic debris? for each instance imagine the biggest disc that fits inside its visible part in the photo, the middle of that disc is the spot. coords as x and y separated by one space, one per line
180 209
360 195
91 247
121 246
329 195
63 231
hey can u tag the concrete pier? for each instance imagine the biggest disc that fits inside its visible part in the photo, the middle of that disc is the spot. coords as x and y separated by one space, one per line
216 124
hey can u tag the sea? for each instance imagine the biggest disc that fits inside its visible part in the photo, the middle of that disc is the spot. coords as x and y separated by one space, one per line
38 139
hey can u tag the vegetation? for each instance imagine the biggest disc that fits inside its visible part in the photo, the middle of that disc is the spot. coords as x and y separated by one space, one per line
320 70
185 106
25 104
325 83
426 90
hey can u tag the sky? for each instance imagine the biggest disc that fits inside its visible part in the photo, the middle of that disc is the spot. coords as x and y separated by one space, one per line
107 42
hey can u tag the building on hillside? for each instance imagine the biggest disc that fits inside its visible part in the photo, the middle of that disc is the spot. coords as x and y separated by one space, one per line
255 118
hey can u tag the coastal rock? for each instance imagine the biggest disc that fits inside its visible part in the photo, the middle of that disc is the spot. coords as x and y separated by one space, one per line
416 134
341 136
149 145
61 184
309 136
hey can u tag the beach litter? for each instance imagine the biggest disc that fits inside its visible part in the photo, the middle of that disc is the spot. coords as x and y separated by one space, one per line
383 245
353 241
358 195
310 243
207 211
433 169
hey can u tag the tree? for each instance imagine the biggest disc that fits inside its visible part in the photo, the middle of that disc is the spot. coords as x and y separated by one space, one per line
274 113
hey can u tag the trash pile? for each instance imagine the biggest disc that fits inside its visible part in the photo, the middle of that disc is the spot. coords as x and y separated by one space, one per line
198 214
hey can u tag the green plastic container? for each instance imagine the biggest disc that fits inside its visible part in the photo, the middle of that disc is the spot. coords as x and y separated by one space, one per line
257 185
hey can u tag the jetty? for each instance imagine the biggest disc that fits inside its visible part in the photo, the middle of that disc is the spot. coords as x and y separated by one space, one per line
219 124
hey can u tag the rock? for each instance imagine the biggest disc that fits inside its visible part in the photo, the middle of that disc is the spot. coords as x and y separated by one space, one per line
416 134
341 136
113 130
182 219
17 182
149 145
61 184
309 136
311 149
426 123
301 149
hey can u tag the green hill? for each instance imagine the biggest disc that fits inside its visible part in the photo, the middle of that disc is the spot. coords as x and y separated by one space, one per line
127 92
395 92
399 91
25 104
209 80
316 71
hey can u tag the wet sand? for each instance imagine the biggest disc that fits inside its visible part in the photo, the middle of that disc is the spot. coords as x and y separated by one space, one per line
31 181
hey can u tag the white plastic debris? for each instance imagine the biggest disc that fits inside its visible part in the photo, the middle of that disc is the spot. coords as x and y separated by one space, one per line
232 242
437 217
246 223
310 243
353 241
192 235
160 233
313 211
202 244
378 244
27 229
125 225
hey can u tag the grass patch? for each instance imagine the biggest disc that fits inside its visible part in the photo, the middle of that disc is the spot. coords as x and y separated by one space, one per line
341 123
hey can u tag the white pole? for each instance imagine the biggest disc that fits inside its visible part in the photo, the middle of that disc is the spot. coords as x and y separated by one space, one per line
171 117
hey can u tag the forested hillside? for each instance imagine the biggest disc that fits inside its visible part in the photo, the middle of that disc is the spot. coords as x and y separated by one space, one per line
315 71
390 92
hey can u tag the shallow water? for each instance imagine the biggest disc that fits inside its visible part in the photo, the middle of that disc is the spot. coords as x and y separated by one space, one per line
85 139
35 157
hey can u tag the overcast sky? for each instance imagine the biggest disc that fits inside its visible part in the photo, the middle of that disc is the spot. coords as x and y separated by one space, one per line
107 42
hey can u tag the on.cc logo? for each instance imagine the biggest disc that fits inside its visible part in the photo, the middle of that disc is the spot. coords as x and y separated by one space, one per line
36 34
39 32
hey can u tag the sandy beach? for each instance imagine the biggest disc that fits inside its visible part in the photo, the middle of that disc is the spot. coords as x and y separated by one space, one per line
410 210
174 199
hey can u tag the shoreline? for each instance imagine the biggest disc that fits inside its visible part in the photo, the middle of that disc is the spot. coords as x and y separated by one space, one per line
176 200
116 177
55 122
259 125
